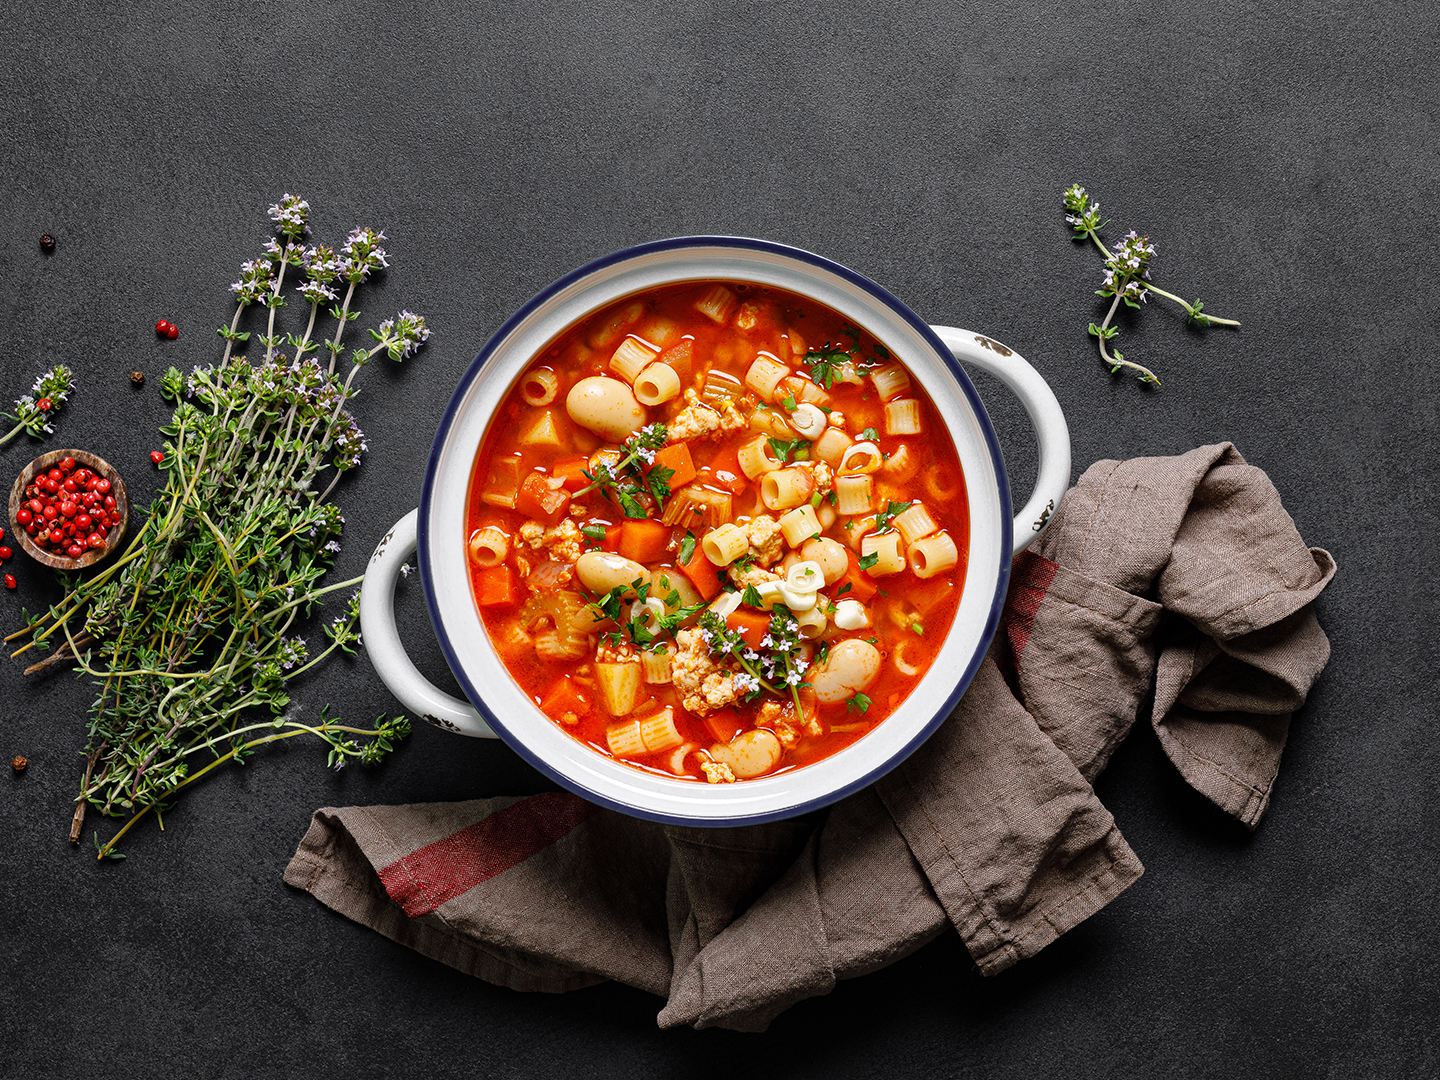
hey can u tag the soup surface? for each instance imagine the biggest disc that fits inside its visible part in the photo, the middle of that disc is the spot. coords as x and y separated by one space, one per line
717 532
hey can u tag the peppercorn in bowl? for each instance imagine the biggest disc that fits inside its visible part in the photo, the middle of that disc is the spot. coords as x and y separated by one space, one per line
69 509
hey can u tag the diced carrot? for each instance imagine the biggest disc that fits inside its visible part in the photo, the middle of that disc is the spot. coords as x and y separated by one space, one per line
723 471
612 538
540 498
497 587
862 585
565 697
724 725
750 625
702 574
571 474
676 458
644 540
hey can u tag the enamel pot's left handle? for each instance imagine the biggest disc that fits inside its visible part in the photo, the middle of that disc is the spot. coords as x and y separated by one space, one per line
420 697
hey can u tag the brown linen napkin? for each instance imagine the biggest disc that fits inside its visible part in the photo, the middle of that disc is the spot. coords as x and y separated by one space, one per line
1181 574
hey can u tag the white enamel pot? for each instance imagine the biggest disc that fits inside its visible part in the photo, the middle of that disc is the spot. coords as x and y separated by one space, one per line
498 707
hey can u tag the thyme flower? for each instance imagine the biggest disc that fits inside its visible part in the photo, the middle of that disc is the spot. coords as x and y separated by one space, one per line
291 216
34 411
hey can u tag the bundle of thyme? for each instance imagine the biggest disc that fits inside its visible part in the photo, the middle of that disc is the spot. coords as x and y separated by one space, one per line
190 633
1126 278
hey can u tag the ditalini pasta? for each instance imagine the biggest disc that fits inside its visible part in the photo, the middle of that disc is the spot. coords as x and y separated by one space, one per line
717 532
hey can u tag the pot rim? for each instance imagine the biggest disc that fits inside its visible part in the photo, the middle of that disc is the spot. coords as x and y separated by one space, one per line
941 353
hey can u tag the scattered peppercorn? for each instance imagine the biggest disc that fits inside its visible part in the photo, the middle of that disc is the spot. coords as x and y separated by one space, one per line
10 581
47 242
18 763
44 404
173 332
162 327
156 456
138 378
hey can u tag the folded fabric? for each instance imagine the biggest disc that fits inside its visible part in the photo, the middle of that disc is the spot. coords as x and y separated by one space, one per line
1181 577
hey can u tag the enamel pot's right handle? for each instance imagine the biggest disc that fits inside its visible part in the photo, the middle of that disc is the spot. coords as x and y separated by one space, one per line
420 697
1040 403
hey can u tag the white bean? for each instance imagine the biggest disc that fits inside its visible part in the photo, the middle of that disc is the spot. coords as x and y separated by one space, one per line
601 571
605 406
829 555
852 666
751 753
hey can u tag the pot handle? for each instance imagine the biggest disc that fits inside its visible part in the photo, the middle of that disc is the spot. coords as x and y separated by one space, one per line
1045 413
382 640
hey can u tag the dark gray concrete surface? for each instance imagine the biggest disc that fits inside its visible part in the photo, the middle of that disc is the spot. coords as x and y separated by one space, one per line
1283 159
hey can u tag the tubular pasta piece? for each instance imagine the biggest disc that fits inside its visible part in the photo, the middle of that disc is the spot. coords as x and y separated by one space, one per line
941 484
656 667
887 546
933 555
902 417
504 485
854 494
830 447
906 657
717 304
676 761
657 384
784 488
813 623
757 457
631 357
860 457
724 545
765 375
891 381
915 523
625 740
659 732
488 547
799 525
539 387
902 465
610 325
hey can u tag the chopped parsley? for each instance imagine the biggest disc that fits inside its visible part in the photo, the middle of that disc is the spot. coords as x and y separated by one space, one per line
870 435
859 703
891 511
784 448
687 547
826 362
867 561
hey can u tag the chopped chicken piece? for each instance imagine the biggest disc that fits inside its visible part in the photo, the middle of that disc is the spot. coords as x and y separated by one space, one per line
742 576
824 477
717 772
702 684
610 652
766 539
562 541
697 421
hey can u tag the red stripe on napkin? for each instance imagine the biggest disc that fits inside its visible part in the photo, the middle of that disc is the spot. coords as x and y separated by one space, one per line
435 873
1030 579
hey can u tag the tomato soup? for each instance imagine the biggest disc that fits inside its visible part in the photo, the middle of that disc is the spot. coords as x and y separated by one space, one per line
716 532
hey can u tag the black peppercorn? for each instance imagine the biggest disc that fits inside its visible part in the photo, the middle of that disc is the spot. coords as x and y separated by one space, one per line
138 378
47 242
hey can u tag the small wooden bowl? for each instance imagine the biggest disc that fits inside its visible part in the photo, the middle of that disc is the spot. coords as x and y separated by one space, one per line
46 462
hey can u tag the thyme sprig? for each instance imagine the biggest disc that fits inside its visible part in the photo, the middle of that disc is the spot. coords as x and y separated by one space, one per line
777 667
191 634
1126 273
633 477
34 411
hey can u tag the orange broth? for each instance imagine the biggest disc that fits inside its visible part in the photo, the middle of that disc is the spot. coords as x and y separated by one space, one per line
534 514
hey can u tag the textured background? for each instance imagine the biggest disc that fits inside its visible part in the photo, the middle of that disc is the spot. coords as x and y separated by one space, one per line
1283 159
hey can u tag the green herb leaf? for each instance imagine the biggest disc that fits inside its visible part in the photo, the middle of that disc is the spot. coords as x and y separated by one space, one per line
859 703
687 547
867 561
